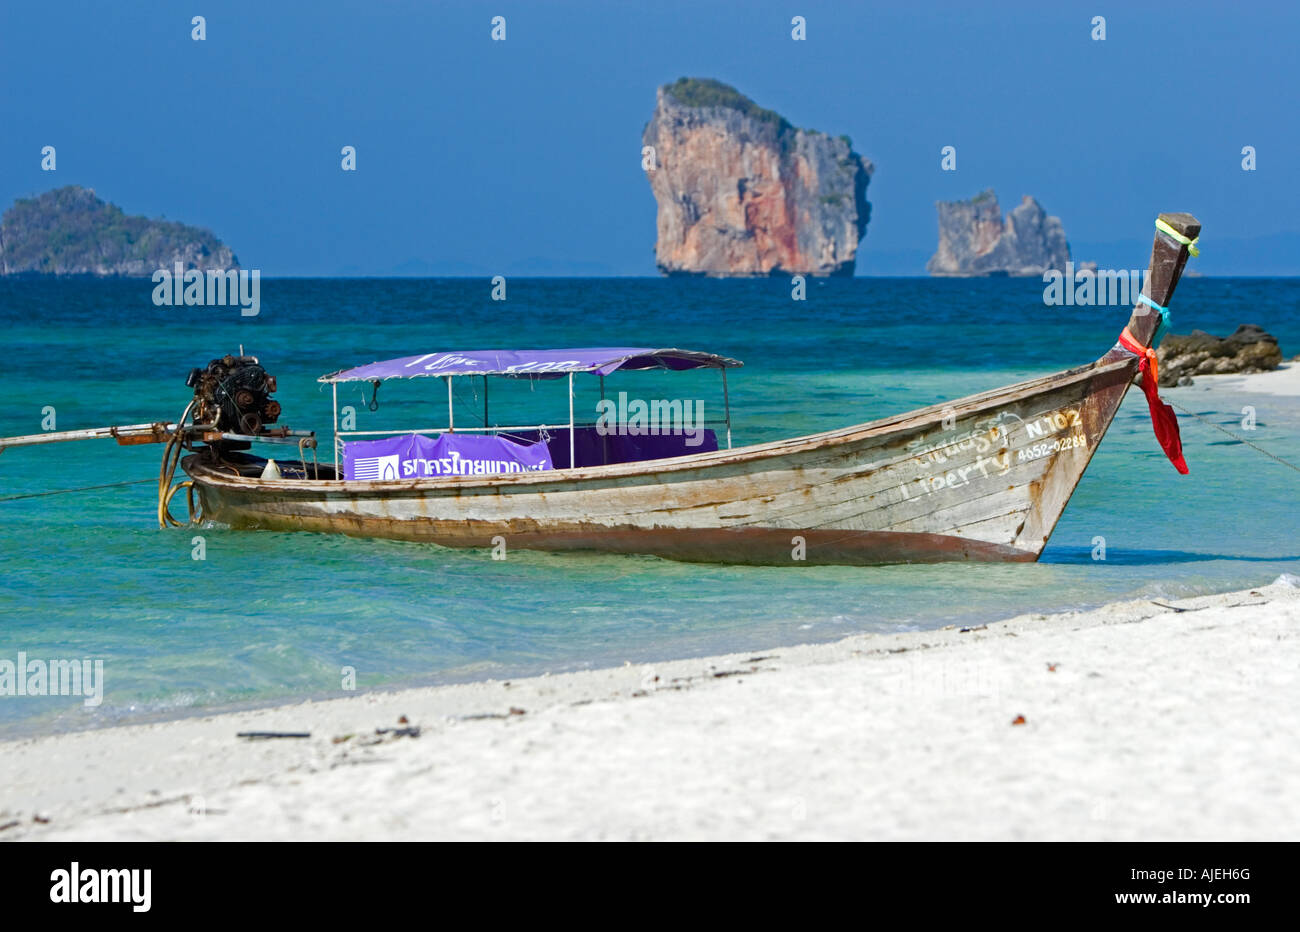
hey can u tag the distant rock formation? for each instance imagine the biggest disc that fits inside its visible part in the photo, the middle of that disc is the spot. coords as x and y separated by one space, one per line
1249 349
975 240
70 231
741 192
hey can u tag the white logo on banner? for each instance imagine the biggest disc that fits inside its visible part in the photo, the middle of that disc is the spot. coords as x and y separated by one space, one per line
376 467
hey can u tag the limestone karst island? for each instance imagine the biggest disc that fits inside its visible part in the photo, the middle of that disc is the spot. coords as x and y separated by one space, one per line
975 239
742 192
72 231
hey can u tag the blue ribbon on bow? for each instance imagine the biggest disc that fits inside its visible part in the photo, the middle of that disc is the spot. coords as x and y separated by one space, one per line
1163 327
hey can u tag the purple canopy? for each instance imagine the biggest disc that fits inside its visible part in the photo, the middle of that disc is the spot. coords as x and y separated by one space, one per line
532 363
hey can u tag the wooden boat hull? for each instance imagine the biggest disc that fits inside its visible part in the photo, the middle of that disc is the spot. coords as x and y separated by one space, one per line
983 478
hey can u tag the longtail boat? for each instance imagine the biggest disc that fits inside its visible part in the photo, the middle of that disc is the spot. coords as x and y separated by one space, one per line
984 477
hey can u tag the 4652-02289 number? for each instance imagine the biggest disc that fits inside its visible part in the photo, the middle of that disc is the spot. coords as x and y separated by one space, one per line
1046 448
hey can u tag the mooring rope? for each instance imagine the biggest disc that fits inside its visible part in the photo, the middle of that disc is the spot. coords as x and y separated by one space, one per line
84 488
1236 437
171 457
1178 237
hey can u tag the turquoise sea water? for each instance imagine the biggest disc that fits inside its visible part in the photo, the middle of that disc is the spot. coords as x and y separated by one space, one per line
271 616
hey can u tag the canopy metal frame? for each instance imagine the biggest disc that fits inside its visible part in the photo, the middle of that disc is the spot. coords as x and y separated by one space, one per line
719 362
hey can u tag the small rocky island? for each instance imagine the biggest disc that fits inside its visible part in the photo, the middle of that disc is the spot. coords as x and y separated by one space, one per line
71 231
742 192
975 240
1248 349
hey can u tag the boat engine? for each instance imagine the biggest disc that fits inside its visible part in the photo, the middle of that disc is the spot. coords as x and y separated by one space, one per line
234 394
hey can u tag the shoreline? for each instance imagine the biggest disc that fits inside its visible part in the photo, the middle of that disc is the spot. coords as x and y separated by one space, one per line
24 730
1284 381
1141 720
35 729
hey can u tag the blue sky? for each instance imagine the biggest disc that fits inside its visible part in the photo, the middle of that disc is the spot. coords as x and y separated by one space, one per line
518 157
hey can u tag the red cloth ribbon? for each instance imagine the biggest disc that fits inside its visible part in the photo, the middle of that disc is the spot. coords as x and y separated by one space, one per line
1163 418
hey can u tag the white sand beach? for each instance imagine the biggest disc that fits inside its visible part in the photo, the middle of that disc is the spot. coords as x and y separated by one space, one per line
1284 381
1140 720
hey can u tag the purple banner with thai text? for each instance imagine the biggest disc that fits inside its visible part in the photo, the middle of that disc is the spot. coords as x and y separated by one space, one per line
414 456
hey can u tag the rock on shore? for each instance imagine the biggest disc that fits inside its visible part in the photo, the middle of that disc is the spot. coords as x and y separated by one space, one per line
741 192
975 240
1248 349
71 231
